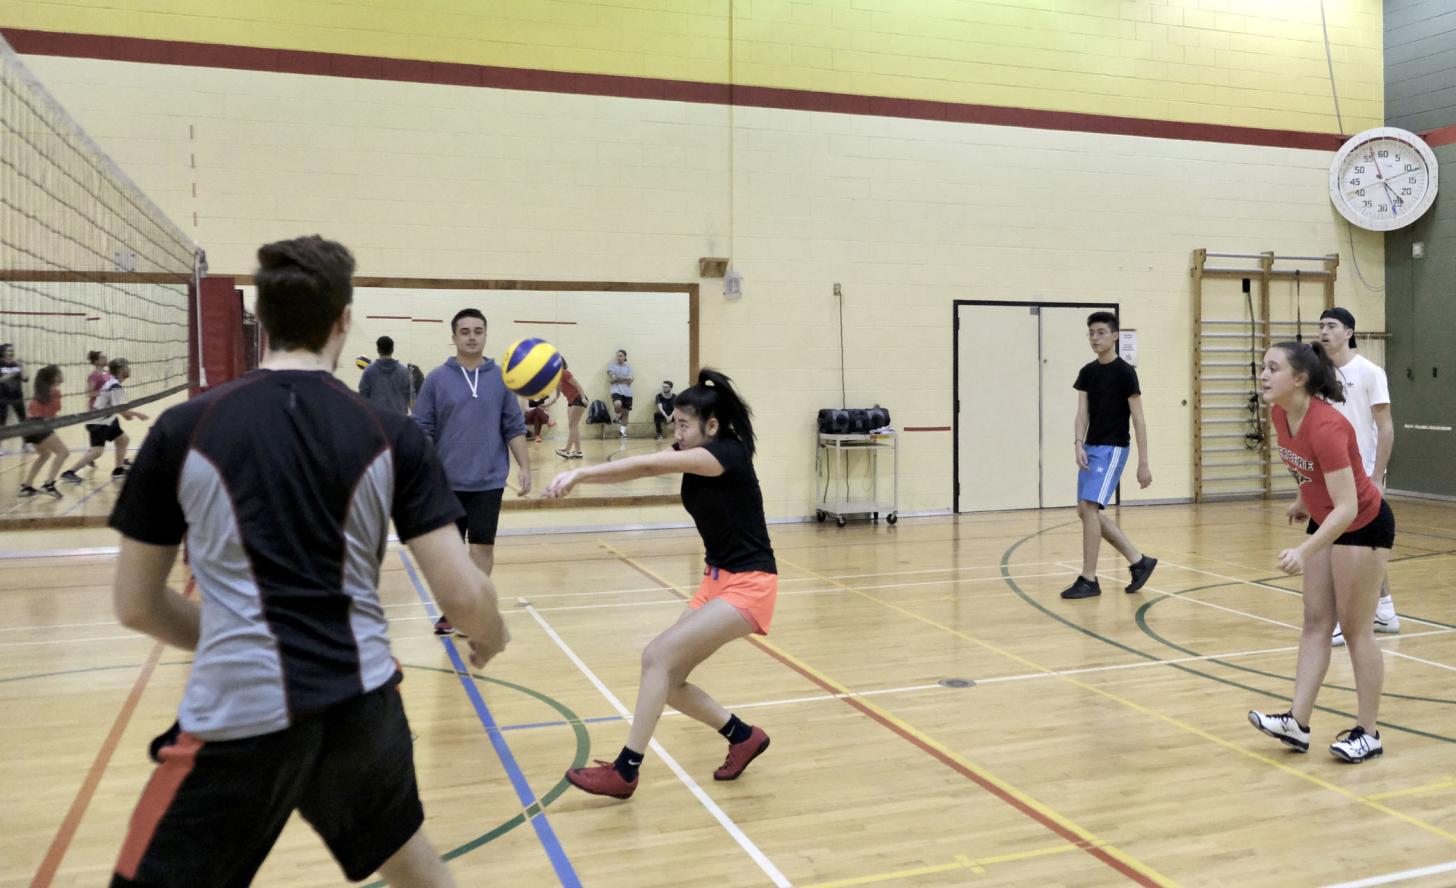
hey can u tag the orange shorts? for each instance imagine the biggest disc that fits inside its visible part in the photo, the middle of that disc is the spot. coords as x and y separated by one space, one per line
753 593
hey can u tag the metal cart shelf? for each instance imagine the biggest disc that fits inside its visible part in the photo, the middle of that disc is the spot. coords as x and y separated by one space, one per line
832 464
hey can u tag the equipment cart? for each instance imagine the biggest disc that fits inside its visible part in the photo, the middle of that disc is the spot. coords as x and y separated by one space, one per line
839 496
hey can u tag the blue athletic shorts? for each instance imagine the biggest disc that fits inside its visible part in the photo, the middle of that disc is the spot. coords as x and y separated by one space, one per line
1098 482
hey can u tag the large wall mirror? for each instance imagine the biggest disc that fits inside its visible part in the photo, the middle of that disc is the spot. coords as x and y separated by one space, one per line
587 321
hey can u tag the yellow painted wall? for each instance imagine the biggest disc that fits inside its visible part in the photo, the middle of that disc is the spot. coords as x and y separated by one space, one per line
907 215
1235 62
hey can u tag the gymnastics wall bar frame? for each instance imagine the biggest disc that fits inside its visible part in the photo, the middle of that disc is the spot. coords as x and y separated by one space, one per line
1222 355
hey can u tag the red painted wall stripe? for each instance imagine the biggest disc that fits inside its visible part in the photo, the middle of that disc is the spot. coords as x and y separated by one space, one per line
1446 135
291 61
927 428
562 323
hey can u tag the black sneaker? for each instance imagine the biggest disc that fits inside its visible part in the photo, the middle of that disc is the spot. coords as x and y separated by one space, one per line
1083 588
49 489
118 471
1140 573
27 490
71 476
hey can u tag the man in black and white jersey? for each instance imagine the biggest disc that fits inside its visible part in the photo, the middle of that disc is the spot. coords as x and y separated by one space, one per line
283 484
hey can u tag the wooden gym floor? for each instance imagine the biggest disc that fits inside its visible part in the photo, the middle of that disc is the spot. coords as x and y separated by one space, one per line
1099 742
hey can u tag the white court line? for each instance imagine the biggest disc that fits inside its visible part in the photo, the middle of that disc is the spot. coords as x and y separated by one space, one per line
723 819
1401 876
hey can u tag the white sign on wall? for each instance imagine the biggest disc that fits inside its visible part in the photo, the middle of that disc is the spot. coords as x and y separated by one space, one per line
1127 346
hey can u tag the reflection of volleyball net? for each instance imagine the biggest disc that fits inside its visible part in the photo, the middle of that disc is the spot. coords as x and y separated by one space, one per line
87 261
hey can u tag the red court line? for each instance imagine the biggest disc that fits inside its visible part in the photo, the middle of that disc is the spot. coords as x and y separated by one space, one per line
969 773
564 323
62 841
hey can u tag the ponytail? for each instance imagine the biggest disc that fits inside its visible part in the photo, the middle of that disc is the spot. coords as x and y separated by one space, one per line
92 356
1321 378
714 396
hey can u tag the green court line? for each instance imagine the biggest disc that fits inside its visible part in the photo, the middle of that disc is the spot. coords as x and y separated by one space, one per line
1020 593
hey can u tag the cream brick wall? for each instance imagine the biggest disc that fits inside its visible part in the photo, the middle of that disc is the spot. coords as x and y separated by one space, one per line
440 181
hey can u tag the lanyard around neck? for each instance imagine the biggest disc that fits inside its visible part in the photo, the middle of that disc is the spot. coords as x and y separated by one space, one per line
474 384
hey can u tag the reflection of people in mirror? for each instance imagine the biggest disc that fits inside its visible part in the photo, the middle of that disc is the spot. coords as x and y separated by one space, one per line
713 451
663 412
570 390
619 372
538 415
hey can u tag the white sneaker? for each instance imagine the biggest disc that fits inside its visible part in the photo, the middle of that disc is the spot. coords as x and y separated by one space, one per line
1355 746
624 431
1284 728
1386 619
1338 639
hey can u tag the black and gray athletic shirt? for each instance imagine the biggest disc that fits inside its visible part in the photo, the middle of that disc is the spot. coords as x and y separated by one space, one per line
283 484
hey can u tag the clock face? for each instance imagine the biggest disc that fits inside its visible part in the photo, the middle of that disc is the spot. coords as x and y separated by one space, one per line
1383 179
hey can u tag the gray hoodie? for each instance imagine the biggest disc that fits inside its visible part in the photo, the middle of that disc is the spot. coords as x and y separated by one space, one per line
470 429
386 383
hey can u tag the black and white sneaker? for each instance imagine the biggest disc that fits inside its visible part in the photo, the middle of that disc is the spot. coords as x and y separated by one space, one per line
49 489
1355 745
27 490
118 472
71 476
1283 727
1082 588
1140 573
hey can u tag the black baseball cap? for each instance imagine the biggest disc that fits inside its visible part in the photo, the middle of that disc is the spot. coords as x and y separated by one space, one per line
1344 317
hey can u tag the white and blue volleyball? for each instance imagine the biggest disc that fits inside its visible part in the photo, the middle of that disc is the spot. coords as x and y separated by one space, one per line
531 368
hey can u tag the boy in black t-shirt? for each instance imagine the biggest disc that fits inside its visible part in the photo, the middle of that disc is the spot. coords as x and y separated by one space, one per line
1107 397
663 408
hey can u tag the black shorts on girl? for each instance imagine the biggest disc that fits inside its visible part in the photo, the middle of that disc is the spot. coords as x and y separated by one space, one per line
1378 533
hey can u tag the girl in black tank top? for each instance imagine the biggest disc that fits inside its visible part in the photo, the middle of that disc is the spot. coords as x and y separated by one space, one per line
713 451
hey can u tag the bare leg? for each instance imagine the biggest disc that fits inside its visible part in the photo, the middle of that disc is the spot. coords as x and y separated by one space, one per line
121 445
1114 535
573 435
42 453
1314 638
89 457
483 556
58 456
417 865
672 656
1357 572
1091 537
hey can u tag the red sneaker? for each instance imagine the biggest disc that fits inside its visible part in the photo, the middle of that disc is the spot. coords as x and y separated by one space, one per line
601 779
443 626
740 754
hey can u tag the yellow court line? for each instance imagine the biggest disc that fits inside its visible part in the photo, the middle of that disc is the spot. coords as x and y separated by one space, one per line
977 866
1448 783
1145 710
1085 837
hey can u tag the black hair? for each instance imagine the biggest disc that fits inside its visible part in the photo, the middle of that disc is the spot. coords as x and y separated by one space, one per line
1103 317
45 383
622 352
304 285
1310 359
115 365
667 382
466 313
384 345
714 396
91 356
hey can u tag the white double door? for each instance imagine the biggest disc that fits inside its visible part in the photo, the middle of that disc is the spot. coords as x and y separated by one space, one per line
1015 405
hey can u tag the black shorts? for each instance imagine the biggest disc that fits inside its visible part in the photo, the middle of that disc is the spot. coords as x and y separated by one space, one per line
482 515
1378 533
213 810
37 437
103 435
579 402
625 400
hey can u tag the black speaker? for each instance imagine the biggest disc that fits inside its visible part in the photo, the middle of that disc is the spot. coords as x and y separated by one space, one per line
854 421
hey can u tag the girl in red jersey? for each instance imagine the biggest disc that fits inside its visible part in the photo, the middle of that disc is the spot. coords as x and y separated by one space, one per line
1351 530
713 451
45 405
570 390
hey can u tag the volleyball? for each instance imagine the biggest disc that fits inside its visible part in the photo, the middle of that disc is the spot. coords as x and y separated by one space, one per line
531 368
361 362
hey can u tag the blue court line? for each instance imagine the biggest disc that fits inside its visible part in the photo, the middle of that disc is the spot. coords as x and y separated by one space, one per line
527 796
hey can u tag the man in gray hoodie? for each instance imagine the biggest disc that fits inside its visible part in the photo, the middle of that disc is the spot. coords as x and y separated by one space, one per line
465 408
386 382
